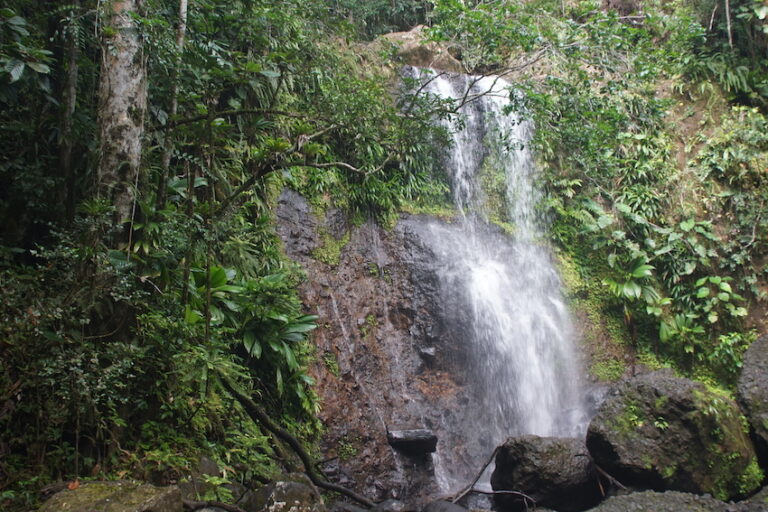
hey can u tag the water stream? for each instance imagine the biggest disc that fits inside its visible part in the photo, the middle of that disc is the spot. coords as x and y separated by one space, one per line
503 293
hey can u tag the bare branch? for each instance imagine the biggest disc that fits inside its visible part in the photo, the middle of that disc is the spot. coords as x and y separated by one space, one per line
174 123
471 486
262 418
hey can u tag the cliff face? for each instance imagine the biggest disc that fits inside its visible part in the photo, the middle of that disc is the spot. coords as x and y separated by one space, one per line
385 356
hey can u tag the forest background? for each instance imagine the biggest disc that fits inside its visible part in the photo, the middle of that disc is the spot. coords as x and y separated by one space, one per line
145 142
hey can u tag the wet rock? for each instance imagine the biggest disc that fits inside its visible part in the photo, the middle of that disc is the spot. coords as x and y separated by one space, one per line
343 506
662 432
413 50
292 493
443 506
390 506
756 503
670 501
118 496
555 472
752 393
413 442
428 354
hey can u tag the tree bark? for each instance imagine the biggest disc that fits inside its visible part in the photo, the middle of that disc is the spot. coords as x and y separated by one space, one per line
181 31
122 107
69 101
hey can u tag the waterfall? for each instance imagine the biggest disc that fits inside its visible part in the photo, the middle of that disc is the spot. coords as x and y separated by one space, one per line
501 292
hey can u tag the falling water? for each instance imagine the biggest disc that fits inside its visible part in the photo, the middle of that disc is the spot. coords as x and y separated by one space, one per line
504 294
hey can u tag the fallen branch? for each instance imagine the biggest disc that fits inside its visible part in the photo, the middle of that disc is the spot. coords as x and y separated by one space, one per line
525 497
471 486
191 505
259 416
610 479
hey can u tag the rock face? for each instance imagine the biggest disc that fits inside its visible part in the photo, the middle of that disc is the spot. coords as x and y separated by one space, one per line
556 472
661 432
119 496
671 501
753 394
385 355
414 51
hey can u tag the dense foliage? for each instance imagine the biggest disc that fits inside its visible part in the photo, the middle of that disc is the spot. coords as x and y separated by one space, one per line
116 332
673 209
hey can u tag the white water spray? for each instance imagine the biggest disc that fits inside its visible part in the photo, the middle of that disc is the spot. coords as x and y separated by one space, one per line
504 294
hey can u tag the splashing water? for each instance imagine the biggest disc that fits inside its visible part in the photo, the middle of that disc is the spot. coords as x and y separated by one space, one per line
504 295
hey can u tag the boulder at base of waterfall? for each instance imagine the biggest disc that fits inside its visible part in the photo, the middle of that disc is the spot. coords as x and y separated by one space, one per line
413 442
294 492
670 501
555 472
443 506
755 503
118 496
657 431
753 394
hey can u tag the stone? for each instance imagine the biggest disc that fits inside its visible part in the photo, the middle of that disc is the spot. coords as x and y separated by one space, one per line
756 503
670 501
661 432
413 442
414 51
117 496
294 492
390 506
556 472
752 395
443 506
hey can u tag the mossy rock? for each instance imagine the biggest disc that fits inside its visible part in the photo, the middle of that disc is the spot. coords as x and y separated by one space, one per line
671 501
119 496
753 394
661 432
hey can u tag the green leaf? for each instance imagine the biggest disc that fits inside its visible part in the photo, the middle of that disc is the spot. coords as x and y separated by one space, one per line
218 277
725 297
15 68
642 271
712 317
191 316
39 67
687 225
725 287
702 292
251 344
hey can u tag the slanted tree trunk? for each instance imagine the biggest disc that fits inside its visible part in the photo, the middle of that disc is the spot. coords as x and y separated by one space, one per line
122 107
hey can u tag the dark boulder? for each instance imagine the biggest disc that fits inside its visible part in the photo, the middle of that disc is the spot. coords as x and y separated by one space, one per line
443 506
390 506
555 472
755 503
670 501
662 432
753 394
413 442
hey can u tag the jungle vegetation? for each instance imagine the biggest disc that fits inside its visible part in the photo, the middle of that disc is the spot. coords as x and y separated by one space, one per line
145 142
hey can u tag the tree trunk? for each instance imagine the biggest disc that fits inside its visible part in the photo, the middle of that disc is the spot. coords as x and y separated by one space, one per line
69 101
122 108
181 31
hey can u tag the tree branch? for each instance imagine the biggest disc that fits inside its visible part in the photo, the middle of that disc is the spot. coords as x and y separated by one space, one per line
471 486
234 112
259 416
